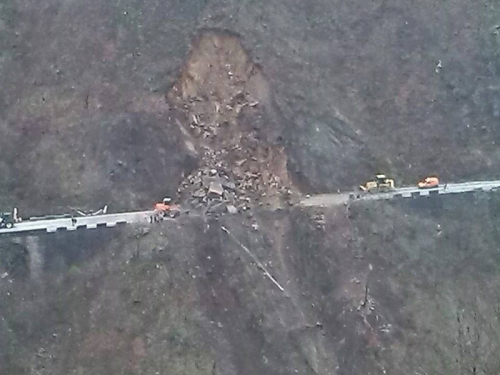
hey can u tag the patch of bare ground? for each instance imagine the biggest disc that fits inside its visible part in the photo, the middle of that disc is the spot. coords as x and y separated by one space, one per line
222 101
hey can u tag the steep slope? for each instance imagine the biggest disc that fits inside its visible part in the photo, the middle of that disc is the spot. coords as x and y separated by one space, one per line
377 288
351 88
122 103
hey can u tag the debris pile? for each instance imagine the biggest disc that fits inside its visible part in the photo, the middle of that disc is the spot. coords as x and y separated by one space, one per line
239 169
223 189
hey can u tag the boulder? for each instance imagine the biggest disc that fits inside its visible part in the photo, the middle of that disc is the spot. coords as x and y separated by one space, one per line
215 189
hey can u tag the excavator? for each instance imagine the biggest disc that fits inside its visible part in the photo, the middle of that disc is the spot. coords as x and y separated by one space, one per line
428 183
166 209
380 184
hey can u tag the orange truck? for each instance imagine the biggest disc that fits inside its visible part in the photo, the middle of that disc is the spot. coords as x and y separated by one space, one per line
164 209
429 183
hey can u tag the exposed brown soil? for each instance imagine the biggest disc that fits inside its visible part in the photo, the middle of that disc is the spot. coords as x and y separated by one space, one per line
224 102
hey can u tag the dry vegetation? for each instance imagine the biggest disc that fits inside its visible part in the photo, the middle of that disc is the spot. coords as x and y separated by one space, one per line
127 102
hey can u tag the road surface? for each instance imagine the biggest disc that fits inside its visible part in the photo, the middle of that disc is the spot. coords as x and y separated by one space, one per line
82 222
325 200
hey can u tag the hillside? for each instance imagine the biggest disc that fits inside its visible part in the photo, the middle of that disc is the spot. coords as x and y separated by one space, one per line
346 88
380 288
123 103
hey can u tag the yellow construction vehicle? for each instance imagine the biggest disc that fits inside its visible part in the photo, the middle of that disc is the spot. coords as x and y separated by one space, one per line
380 184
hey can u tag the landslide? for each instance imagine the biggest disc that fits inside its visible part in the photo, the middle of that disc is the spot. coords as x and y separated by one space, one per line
224 107
122 103
374 288
344 90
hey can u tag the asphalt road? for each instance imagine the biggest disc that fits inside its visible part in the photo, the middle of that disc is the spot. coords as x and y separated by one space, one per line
325 200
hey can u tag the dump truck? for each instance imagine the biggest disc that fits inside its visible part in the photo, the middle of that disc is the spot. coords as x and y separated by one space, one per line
380 184
428 183
166 209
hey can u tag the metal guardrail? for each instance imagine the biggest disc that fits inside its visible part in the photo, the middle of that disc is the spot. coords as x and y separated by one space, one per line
50 217
71 223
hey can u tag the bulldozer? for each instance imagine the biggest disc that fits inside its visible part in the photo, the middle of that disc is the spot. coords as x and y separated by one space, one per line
380 184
